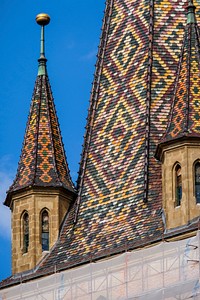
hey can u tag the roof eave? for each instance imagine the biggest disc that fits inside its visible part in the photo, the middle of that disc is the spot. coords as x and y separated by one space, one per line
8 200
164 143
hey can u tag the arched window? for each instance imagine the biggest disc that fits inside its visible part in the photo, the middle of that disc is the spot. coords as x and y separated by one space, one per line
45 230
197 182
25 221
178 179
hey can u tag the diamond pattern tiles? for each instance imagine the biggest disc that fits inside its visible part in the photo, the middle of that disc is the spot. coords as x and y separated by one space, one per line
117 144
112 212
43 161
185 115
169 21
112 215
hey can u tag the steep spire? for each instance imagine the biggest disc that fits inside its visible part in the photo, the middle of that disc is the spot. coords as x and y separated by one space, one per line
184 119
43 161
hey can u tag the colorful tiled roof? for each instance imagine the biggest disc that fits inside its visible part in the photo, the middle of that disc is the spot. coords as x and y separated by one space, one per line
184 119
119 203
43 161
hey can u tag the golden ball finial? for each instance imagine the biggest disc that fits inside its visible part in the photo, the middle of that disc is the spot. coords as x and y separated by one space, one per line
43 19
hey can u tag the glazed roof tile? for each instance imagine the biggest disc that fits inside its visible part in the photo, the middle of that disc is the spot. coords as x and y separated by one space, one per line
43 162
184 119
119 203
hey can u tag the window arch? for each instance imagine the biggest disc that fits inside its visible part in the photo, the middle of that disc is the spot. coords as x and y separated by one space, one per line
25 226
197 181
178 185
45 230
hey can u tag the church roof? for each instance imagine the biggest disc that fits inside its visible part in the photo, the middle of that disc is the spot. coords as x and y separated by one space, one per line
119 203
184 119
43 161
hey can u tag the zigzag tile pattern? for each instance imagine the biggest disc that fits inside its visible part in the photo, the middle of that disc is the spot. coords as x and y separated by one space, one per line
169 22
194 120
112 214
185 115
112 211
114 178
43 161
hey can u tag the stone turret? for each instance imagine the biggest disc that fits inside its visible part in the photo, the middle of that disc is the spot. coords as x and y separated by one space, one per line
179 149
43 190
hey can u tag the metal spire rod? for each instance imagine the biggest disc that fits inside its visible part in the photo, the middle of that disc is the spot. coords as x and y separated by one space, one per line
42 55
43 20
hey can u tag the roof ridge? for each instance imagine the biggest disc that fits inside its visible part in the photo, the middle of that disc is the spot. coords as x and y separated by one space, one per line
148 100
38 119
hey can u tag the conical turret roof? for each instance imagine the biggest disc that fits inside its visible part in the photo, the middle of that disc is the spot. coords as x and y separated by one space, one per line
128 114
184 119
43 162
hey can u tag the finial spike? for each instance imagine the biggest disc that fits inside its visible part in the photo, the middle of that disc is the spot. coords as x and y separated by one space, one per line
191 18
43 20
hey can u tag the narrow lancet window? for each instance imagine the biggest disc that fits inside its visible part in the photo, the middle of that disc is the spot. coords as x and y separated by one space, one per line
178 178
197 182
25 232
45 231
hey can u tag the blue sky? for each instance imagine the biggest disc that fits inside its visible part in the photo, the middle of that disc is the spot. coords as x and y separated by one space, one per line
72 39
